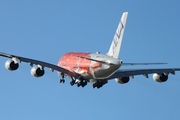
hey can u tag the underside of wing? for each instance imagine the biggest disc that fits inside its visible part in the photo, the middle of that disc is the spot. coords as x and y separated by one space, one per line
37 70
127 73
159 75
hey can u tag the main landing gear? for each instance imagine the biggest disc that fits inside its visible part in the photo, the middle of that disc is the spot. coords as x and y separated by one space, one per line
98 84
82 83
79 82
62 80
73 81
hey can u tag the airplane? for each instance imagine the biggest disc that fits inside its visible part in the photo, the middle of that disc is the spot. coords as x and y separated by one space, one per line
94 68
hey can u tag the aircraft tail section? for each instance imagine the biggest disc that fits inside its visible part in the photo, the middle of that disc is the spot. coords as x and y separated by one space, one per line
116 43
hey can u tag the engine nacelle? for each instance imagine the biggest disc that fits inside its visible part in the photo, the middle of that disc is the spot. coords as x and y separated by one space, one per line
37 71
11 65
122 80
160 77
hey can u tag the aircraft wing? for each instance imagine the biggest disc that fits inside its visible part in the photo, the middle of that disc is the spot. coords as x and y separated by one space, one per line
145 72
41 63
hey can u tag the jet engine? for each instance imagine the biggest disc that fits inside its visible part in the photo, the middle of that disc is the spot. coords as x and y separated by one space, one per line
122 80
160 77
37 71
11 65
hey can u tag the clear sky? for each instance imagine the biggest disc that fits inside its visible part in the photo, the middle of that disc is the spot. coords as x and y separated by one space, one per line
45 30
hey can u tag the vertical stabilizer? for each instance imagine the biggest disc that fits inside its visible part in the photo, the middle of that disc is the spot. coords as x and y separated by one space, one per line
116 43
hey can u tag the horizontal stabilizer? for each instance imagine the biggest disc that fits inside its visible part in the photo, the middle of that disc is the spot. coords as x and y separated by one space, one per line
131 64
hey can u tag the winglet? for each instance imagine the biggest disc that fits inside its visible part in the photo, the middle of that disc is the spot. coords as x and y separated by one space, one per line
116 43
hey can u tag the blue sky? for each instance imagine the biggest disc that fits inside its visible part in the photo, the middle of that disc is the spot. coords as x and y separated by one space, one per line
45 30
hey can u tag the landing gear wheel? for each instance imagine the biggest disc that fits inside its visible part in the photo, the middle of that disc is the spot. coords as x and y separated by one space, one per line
78 85
98 84
62 81
72 82
94 85
84 83
98 87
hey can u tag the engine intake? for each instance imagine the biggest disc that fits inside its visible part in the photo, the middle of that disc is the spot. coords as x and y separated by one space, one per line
11 65
37 71
160 77
122 80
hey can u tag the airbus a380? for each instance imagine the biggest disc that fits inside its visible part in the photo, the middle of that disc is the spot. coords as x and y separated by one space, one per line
94 68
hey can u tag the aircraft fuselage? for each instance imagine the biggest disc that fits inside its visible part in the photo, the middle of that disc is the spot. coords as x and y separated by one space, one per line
90 69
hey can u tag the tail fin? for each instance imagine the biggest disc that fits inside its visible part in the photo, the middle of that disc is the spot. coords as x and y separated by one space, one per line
116 43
